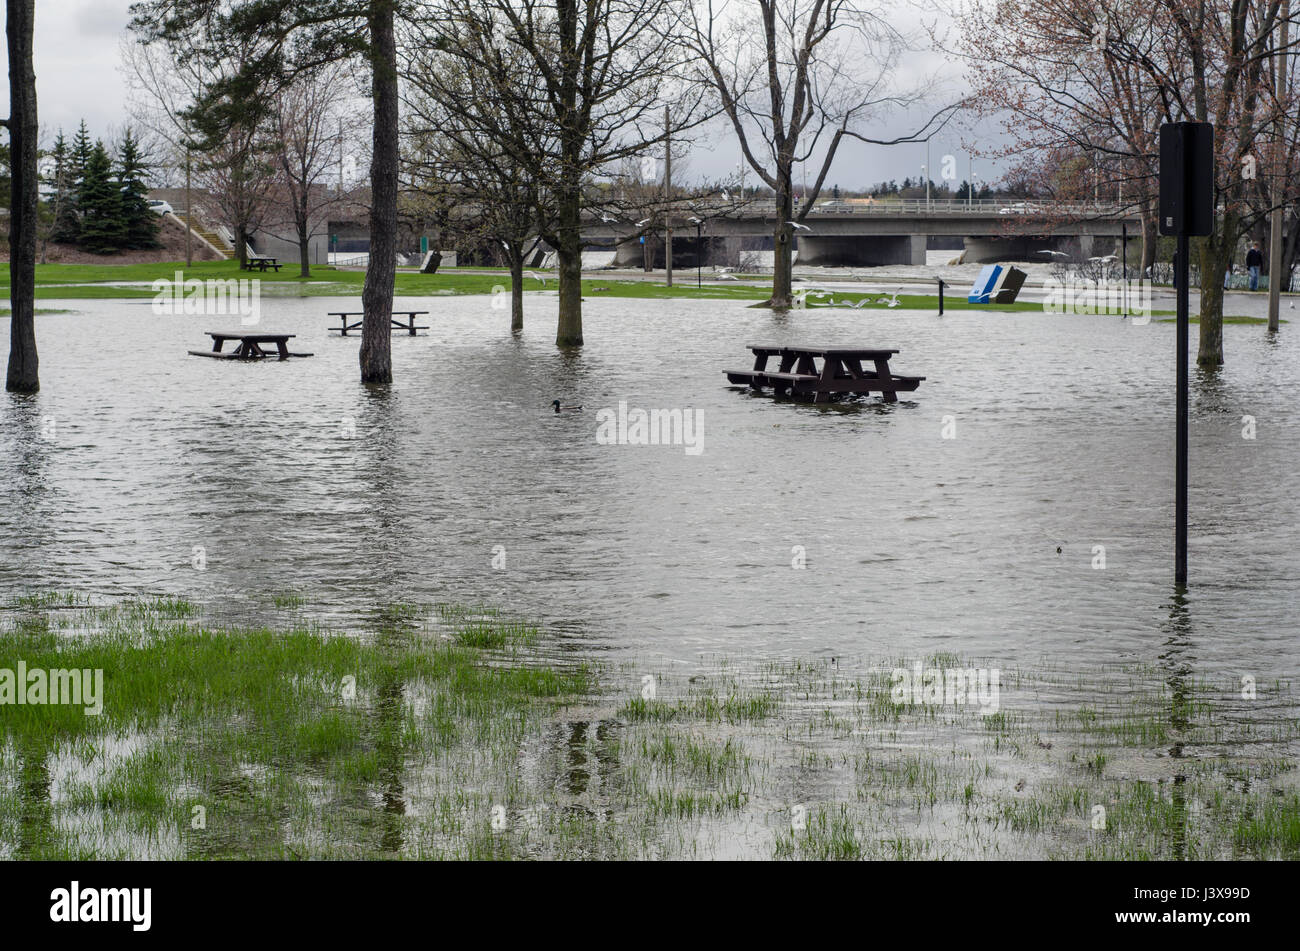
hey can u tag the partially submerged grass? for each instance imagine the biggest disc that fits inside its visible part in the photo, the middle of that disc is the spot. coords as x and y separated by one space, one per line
453 732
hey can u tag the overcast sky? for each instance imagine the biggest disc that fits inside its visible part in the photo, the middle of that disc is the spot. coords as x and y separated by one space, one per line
77 76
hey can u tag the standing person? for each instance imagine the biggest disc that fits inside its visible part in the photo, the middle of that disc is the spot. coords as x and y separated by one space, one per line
1254 264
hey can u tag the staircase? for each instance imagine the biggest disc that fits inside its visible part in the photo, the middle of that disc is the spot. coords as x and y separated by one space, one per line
211 237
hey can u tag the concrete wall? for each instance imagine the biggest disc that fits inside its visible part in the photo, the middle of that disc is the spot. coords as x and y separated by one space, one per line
860 250
1080 247
286 249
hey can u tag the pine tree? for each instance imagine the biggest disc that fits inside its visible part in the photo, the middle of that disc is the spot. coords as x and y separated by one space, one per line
102 228
66 228
138 219
82 146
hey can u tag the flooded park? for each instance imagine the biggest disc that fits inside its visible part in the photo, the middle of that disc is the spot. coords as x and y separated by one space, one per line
722 648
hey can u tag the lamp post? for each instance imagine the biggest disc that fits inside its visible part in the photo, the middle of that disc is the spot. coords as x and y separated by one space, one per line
699 249
925 173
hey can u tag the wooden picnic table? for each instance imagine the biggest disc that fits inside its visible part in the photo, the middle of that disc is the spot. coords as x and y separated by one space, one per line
250 346
261 263
408 325
842 370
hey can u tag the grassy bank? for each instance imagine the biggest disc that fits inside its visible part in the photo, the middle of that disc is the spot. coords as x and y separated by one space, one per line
78 281
445 732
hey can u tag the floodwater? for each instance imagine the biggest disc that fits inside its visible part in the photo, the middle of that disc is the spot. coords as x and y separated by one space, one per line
136 462
293 478
1016 511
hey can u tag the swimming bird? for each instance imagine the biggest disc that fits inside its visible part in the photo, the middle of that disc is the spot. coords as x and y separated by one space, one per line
564 409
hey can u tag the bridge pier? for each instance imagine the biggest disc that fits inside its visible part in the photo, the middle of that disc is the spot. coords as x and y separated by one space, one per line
860 250
987 250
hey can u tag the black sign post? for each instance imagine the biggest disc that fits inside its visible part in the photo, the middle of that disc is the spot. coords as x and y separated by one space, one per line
1186 209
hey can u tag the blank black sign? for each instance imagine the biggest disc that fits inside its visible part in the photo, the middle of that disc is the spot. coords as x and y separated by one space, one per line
1187 178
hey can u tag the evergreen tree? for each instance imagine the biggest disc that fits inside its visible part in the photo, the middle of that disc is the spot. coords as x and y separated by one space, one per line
66 228
100 200
140 222
82 146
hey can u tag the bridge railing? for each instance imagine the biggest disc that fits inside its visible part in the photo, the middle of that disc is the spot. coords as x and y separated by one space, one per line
1011 209
948 207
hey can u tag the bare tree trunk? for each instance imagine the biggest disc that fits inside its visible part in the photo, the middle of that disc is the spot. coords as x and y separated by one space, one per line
304 249
1150 242
241 244
377 295
1215 254
23 376
569 252
782 251
516 288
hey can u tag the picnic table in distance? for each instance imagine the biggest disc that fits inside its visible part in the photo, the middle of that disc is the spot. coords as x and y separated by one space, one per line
261 263
841 371
250 346
398 324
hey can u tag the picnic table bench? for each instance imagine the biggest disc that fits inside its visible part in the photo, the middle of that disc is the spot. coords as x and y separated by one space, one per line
261 263
250 346
841 371
408 325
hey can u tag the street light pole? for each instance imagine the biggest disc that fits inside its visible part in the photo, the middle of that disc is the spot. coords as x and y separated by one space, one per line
699 248
1278 191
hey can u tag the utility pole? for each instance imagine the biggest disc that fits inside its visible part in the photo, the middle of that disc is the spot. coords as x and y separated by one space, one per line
668 191
189 211
1278 192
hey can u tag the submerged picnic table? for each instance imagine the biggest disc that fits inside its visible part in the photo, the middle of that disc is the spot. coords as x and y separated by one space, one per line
841 371
250 346
408 325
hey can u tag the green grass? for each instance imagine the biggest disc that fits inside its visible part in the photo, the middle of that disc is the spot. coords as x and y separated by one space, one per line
1227 320
91 281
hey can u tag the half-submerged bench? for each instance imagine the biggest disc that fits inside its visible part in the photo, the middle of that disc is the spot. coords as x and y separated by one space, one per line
250 346
398 324
841 372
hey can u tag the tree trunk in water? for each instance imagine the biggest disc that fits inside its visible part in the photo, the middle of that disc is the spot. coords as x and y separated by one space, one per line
782 241
377 295
516 290
1149 243
569 331
23 376
569 252
1215 253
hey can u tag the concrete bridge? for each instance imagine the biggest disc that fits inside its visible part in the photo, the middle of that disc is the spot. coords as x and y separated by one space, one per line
897 232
